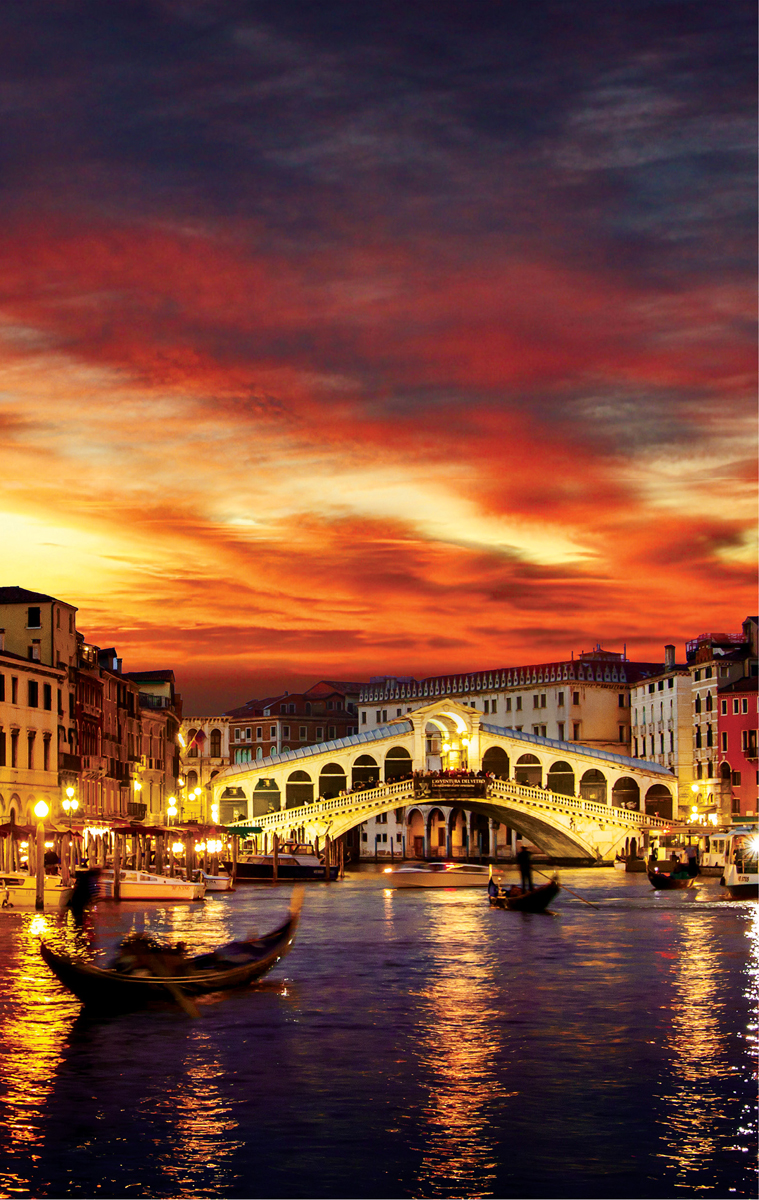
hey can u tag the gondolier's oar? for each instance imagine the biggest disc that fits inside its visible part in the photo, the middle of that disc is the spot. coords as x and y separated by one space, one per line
182 1000
566 889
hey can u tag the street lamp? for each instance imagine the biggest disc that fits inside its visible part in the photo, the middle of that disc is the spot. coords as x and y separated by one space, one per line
41 810
172 810
70 804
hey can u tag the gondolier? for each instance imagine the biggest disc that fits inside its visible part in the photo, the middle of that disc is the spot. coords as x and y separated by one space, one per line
524 860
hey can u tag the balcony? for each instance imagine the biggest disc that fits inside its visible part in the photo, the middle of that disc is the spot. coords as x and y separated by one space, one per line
136 811
69 762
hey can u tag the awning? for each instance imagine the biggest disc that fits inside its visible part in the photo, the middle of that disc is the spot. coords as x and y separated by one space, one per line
243 830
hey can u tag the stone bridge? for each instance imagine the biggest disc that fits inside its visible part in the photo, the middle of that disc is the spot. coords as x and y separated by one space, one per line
572 800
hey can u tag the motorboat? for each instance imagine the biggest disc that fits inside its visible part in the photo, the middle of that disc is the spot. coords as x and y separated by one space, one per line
216 883
514 897
19 890
145 972
741 874
294 861
437 874
140 885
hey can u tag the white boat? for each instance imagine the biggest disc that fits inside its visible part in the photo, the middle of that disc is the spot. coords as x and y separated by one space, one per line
19 890
443 874
741 875
620 864
216 883
140 885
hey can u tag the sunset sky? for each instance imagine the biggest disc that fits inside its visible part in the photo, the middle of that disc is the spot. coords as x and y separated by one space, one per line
343 339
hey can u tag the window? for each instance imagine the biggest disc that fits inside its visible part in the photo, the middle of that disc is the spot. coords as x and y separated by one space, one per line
709 735
237 735
332 732
283 708
542 730
536 729
518 728
699 770
543 700
708 673
736 705
670 682
576 731
259 732
308 708
363 718
536 701
47 697
560 699
561 731
33 618
399 837
622 734
303 732
46 754
286 731
735 779
519 704
34 693
259 752
724 708
697 676
698 737
14 747
378 716
661 740
744 704
398 712
2 687
660 686
698 704
651 687
486 706
621 700
30 750
291 708
635 751
331 705
508 704
493 706
708 702
320 733
273 732
671 741
33 651
384 714
724 743
575 697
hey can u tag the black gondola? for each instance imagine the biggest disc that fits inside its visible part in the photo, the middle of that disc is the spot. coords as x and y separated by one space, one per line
231 966
664 881
534 901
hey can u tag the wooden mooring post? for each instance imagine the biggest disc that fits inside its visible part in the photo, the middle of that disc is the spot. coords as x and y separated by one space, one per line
117 866
327 857
275 858
235 846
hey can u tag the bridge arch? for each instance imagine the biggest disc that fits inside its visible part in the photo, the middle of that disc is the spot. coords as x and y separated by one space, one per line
332 780
365 771
659 801
528 770
593 786
415 826
436 832
561 779
398 763
495 761
299 789
626 794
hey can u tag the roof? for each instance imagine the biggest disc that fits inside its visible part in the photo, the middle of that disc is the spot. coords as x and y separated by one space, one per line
162 675
747 683
19 595
639 764
355 739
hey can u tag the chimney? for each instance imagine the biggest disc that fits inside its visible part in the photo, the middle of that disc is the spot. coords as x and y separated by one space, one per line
669 658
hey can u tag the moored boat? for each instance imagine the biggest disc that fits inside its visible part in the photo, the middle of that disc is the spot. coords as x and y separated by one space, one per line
146 973
436 874
294 861
19 890
216 883
141 885
520 901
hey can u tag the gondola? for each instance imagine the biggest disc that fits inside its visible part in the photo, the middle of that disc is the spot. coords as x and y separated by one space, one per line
535 901
663 881
167 976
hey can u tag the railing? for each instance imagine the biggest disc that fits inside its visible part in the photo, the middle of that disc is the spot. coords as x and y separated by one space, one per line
375 798
69 762
136 810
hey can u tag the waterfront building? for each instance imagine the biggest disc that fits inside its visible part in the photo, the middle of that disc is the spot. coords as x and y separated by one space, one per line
738 736
661 724
715 660
204 751
32 736
584 700
159 713
285 722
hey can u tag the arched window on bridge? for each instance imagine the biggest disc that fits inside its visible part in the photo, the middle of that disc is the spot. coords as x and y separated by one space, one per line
496 761
561 779
528 770
298 790
365 771
397 763
659 801
593 786
626 794
332 781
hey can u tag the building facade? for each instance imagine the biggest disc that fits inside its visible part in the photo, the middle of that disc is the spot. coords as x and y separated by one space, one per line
738 737
30 696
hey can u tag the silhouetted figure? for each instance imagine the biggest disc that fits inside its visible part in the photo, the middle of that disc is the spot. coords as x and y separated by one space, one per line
84 892
524 859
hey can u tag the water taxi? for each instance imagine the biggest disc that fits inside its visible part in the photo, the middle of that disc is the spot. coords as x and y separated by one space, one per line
437 874
294 861
741 874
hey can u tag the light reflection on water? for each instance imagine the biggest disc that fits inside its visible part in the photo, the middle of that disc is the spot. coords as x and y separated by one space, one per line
425 1046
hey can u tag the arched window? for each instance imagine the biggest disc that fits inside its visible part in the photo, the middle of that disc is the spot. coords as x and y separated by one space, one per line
215 743
708 702
191 744
593 786
698 704
495 761
528 771
561 779
298 790
397 763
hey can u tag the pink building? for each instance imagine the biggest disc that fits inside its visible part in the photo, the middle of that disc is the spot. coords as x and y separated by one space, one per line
737 735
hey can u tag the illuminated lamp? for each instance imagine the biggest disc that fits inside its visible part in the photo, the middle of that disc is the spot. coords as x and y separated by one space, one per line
41 810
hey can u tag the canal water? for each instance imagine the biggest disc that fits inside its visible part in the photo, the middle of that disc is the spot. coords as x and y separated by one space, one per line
414 1043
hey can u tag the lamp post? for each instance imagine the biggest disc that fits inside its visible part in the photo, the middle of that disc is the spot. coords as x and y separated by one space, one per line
41 810
70 805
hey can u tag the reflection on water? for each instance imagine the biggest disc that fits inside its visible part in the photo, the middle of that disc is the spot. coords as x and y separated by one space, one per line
36 1019
458 1052
428 1048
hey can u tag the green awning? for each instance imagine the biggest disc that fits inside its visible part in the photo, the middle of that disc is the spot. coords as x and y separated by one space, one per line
244 830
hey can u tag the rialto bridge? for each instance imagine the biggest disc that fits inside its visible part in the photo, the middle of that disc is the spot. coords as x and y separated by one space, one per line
571 800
